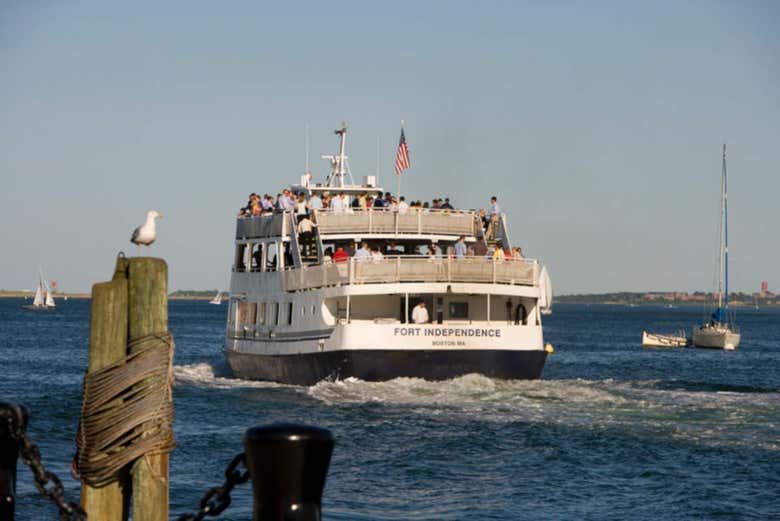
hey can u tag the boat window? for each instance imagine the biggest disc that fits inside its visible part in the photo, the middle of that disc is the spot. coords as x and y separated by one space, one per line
253 313
276 314
240 252
313 309
257 257
271 256
459 310
261 314
289 313
241 313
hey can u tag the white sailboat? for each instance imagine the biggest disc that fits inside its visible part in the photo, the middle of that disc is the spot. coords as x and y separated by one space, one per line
720 331
43 297
217 300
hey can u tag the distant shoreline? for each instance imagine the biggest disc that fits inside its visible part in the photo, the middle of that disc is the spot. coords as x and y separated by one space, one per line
624 298
29 294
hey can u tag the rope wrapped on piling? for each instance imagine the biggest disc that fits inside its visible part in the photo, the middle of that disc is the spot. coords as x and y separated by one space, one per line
127 410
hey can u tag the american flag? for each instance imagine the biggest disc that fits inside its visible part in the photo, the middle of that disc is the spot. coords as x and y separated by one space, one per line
402 158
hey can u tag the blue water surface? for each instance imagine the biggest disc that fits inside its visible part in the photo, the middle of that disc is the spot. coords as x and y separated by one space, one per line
613 431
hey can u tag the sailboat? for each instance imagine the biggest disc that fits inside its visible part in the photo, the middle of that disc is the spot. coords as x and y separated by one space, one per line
217 300
720 331
43 298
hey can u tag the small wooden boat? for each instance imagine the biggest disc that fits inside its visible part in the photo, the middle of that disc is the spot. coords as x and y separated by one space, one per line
664 340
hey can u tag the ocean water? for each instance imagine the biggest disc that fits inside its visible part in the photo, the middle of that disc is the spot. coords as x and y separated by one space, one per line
613 431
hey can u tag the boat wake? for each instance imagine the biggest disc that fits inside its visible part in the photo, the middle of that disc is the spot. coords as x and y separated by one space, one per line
215 376
725 415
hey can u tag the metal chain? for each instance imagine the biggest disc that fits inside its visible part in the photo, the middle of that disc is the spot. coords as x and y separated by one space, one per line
217 499
31 456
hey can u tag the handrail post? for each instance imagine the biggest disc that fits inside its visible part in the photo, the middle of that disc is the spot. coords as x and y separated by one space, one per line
288 465
495 261
419 223
449 269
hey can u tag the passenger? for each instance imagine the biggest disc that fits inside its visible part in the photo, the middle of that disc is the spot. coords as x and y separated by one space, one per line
379 203
301 210
517 253
460 247
362 201
425 207
336 204
420 314
363 254
402 206
267 203
345 202
306 235
447 205
327 257
242 213
340 255
388 199
286 203
377 255
493 215
369 202
498 253
278 205
315 203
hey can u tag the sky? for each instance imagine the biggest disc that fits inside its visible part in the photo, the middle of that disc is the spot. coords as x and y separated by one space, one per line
598 125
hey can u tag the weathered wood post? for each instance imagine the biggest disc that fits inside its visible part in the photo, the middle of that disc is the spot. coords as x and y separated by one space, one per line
107 345
148 314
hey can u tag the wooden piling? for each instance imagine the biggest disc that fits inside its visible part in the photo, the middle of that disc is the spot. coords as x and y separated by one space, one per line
147 314
108 344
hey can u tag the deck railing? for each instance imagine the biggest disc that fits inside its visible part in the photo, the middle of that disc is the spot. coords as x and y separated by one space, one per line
261 226
412 221
413 269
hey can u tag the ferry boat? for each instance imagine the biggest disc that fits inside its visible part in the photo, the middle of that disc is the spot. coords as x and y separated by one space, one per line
299 313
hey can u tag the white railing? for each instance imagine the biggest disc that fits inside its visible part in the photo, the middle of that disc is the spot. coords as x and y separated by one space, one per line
413 269
412 221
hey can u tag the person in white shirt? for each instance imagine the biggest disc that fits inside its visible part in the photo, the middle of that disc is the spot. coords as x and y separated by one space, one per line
336 204
420 314
377 255
315 203
363 254
402 205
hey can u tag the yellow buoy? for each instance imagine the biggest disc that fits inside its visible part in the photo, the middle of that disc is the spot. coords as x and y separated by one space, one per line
549 348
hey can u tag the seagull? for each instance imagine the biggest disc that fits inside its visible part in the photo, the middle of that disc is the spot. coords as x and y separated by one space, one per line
147 233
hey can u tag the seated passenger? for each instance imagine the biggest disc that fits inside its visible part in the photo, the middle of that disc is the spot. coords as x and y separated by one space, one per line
340 255
363 254
420 314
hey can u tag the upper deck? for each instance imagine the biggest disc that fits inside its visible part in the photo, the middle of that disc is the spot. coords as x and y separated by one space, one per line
360 223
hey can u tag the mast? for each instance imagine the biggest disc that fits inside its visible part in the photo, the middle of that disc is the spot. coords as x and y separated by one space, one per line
720 234
338 163
725 251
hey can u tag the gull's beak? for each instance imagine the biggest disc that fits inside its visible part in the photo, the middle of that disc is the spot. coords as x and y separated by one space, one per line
160 215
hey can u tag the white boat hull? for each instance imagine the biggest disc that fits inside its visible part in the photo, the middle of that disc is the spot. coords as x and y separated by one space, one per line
658 340
715 337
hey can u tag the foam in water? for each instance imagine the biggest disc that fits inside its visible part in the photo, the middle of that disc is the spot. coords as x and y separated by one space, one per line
638 408
207 375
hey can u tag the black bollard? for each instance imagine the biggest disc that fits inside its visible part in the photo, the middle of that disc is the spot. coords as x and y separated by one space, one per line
288 464
9 453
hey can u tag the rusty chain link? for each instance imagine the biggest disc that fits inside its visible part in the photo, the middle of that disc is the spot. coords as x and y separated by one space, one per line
31 456
217 499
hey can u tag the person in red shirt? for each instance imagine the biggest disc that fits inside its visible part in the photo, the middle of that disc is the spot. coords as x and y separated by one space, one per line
340 255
